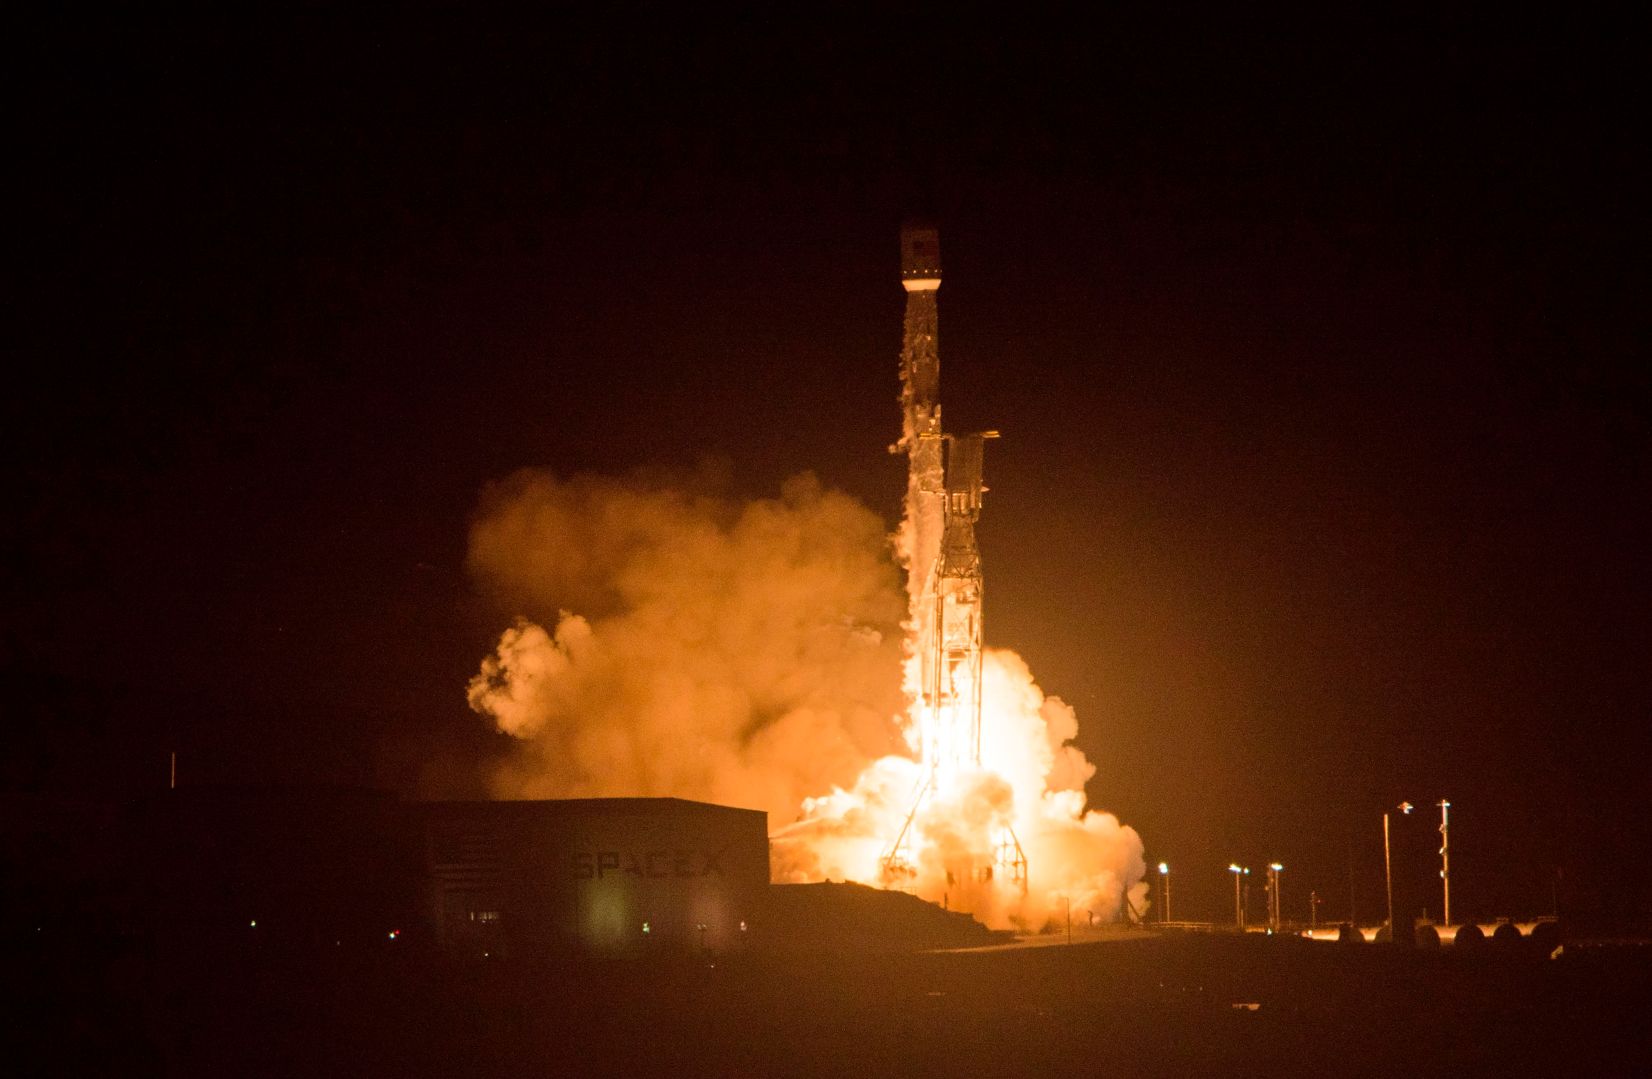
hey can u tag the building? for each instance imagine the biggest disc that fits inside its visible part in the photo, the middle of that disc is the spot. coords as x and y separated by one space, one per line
231 868
604 875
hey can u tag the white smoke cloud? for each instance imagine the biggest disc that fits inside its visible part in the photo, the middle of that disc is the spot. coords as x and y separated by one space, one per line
672 641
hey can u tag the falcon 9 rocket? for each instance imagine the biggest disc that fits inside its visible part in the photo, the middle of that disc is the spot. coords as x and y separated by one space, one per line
943 562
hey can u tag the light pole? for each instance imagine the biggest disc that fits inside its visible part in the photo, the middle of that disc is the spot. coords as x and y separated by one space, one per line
1445 855
1274 869
1164 881
1238 871
1313 911
1388 865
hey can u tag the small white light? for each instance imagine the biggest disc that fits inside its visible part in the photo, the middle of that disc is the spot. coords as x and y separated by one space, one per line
1163 869
253 923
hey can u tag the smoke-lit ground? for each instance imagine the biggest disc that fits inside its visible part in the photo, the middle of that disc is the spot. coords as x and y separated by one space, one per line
1147 1007
672 641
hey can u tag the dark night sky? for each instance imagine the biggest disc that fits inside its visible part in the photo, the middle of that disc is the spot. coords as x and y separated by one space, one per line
1317 349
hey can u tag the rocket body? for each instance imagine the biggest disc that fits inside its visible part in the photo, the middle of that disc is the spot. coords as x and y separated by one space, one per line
943 499
922 441
943 576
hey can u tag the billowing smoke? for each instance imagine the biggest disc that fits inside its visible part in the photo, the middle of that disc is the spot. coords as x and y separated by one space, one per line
673 641
1031 791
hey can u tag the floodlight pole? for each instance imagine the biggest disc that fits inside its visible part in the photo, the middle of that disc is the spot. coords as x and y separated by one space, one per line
1238 871
1445 855
1388 874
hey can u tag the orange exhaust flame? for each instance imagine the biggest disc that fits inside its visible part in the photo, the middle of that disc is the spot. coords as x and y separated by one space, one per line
1034 792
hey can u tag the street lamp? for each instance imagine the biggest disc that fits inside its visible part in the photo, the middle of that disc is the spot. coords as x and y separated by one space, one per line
1445 855
1274 869
1388 864
1238 892
1164 881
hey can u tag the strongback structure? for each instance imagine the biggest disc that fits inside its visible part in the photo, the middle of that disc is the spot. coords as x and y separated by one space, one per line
954 686
943 503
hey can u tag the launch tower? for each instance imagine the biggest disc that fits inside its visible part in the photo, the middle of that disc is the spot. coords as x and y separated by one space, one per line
943 562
